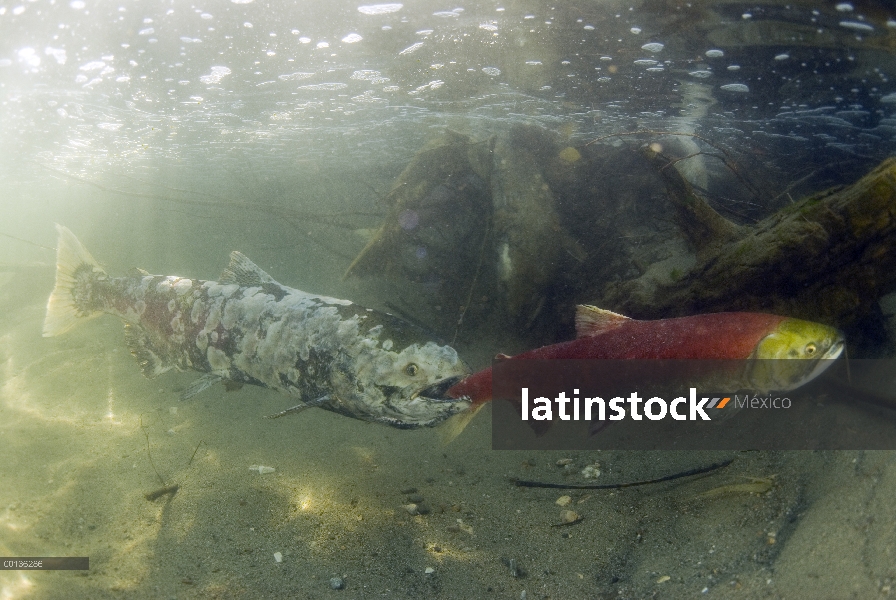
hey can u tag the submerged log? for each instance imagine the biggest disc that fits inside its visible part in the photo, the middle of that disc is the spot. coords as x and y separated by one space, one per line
828 257
703 228
441 195
530 241
476 225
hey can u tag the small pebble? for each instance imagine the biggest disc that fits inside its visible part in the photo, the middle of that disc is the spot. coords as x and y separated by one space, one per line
417 498
429 570
417 509
591 471
563 501
515 570
261 469
569 516
278 557
663 579
337 583
564 461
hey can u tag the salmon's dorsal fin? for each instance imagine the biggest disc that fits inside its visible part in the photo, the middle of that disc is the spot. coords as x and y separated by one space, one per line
243 271
591 320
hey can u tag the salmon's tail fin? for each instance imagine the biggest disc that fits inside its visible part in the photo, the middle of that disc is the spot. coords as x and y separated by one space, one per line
74 298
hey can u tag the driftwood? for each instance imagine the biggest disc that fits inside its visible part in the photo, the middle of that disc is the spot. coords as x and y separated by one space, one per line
828 257
530 241
491 230
476 226
435 234
425 193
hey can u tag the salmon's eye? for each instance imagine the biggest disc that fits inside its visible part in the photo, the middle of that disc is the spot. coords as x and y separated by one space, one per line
411 370
810 349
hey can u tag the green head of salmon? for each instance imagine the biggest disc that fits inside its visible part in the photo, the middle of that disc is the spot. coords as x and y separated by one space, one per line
813 345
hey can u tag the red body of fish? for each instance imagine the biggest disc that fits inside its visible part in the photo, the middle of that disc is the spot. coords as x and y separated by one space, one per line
731 335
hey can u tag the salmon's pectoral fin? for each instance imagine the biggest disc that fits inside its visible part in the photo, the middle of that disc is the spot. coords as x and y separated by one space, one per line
298 408
455 424
200 385
150 359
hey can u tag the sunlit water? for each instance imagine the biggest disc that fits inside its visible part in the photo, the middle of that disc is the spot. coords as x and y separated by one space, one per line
167 135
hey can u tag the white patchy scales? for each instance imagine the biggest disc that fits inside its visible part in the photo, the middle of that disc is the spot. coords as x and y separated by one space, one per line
248 328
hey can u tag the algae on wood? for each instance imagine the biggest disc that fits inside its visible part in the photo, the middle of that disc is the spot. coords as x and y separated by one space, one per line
426 212
476 224
527 232
828 257
702 226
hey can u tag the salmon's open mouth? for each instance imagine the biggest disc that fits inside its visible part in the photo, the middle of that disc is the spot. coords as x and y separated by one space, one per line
438 390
